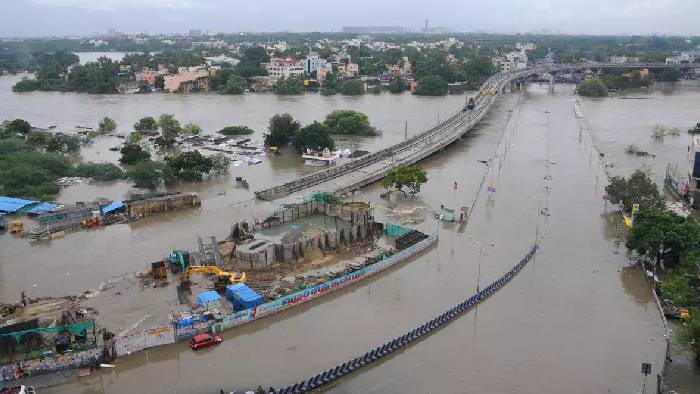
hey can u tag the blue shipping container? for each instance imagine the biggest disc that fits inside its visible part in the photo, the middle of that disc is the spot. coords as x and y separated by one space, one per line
242 297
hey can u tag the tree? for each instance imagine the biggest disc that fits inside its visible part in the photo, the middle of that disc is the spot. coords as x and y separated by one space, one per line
412 176
17 126
133 154
281 129
638 189
314 136
592 88
349 122
146 124
98 171
235 130
670 75
678 290
352 87
63 143
191 129
431 85
663 236
190 166
250 66
329 84
689 333
397 85
170 130
160 82
106 125
234 85
150 174
220 164
289 86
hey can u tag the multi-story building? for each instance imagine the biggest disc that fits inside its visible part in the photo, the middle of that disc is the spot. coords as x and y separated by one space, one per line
515 60
313 62
188 80
287 67
681 58
351 69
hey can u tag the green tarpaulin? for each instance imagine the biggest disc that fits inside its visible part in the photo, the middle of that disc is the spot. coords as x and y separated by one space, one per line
75 329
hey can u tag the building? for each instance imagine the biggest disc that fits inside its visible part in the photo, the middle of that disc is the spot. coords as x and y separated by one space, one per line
351 69
188 80
313 62
515 60
284 67
681 58
624 59
148 77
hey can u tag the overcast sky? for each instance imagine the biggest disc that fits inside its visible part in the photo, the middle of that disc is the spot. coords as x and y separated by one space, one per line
80 17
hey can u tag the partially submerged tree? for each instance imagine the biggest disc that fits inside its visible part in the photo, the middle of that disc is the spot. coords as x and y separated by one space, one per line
400 177
146 124
235 130
592 88
637 189
133 154
431 85
349 122
281 129
106 125
314 136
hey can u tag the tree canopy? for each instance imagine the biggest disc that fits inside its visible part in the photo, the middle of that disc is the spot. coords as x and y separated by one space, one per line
352 87
281 129
397 85
314 136
106 125
637 189
592 88
249 66
234 85
133 154
147 123
349 122
399 177
431 85
235 130
289 86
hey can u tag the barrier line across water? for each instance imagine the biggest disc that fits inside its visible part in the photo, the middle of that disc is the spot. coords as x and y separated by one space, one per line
332 374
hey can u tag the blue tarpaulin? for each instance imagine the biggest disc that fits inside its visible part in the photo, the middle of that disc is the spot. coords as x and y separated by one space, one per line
207 296
113 206
42 208
11 205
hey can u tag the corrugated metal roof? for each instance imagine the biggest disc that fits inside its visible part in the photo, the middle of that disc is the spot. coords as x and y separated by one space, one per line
113 206
10 204
42 208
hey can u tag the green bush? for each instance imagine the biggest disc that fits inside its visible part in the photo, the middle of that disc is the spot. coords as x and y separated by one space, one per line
133 154
235 130
349 122
352 87
98 171
592 88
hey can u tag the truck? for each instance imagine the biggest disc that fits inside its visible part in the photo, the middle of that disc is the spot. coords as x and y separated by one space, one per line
470 104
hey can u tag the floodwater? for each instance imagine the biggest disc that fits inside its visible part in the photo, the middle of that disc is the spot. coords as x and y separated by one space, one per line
575 320
85 57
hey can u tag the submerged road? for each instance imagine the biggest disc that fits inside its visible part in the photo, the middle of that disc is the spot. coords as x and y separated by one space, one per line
374 166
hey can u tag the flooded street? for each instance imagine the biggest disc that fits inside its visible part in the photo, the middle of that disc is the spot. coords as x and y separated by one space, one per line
576 320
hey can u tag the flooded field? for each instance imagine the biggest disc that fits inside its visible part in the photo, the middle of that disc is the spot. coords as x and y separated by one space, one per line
576 320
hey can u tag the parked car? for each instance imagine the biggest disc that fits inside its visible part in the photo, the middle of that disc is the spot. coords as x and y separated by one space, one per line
204 340
18 390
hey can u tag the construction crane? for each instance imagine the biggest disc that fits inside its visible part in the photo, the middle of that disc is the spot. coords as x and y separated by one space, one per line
223 278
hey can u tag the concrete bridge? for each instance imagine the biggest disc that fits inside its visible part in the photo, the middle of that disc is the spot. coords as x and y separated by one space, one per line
374 166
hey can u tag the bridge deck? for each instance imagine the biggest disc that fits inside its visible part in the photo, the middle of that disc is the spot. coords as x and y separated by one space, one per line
374 166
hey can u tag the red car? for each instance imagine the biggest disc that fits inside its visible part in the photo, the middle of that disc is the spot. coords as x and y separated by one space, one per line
204 340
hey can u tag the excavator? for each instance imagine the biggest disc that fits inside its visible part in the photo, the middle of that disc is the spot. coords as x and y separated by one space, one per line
223 278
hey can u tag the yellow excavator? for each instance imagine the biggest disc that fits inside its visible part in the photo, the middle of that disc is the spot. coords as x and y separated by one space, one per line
223 278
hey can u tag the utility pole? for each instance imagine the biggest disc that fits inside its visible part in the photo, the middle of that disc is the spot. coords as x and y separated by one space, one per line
405 131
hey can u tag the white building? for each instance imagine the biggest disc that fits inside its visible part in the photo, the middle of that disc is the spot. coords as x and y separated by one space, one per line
287 67
681 58
313 62
515 60
624 59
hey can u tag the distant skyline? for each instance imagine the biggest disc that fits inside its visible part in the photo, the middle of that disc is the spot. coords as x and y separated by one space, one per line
21 18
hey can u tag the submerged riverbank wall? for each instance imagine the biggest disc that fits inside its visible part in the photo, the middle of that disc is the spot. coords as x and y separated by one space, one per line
46 365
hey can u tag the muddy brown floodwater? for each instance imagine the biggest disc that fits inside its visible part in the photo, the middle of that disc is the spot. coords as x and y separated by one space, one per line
574 321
